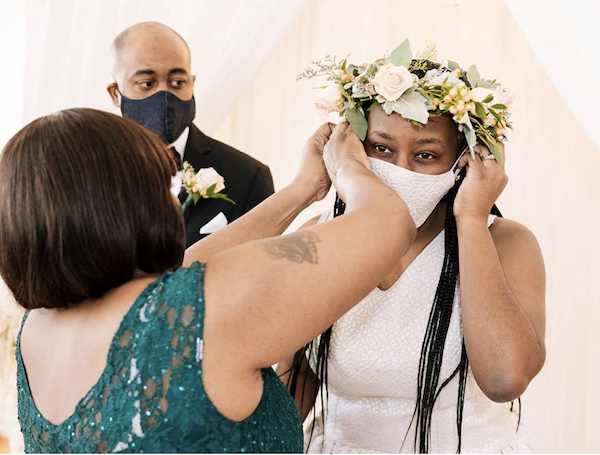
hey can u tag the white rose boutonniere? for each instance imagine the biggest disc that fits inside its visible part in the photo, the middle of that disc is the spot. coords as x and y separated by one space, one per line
206 183
392 81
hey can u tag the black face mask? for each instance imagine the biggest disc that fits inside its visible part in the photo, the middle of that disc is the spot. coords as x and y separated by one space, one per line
162 113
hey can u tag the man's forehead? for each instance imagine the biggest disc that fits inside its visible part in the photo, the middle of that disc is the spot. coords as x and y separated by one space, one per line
156 59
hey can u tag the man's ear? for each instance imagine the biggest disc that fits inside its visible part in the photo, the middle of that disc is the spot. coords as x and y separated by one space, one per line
194 80
114 93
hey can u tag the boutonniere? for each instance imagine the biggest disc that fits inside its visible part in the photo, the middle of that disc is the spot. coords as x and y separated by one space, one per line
206 183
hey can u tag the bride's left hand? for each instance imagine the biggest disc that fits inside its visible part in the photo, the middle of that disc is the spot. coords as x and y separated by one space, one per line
483 184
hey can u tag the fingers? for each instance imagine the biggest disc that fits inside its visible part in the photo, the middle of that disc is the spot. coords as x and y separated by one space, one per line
477 163
326 129
340 128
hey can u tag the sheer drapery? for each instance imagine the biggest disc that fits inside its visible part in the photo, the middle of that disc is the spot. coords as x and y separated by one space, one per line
565 37
67 46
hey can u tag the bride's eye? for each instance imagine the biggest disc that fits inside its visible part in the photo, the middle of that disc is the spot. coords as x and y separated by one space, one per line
382 149
425 156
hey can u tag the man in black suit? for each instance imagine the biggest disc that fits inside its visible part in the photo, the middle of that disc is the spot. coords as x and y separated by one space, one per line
153 85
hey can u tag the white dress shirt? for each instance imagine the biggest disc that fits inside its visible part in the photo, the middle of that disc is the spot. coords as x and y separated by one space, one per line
179 146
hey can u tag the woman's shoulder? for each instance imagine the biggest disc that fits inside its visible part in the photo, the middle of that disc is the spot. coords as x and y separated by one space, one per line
175 290
510 234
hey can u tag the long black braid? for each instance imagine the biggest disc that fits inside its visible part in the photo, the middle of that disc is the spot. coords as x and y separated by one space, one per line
432 349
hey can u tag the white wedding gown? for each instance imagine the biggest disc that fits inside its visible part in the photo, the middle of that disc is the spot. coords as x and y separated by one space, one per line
373 364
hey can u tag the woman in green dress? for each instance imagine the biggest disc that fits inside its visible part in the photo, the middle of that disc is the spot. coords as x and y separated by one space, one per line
128 343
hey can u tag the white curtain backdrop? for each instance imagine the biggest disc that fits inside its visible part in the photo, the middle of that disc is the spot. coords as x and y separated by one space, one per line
565 37
68 42
246 55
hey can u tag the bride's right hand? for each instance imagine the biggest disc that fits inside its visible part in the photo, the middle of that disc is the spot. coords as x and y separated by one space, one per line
343 148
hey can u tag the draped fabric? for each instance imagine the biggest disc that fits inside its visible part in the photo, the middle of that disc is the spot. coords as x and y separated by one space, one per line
246 55
565 37
67 47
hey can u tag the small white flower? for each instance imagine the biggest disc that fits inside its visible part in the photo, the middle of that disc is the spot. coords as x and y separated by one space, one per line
447 78
431 75
392 81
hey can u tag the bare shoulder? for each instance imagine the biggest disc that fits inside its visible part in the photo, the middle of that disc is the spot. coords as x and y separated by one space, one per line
512 237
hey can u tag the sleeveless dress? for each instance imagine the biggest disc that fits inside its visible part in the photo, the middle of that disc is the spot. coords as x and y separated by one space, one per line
372 376
150 397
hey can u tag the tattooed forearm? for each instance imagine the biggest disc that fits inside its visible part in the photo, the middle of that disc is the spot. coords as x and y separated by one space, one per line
299 247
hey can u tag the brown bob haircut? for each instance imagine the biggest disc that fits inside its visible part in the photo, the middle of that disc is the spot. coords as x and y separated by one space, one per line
85 203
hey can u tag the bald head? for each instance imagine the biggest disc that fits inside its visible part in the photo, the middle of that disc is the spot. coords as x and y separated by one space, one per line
147 58
145 35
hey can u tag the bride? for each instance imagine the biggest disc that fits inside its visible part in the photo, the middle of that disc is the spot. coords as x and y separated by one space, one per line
433 359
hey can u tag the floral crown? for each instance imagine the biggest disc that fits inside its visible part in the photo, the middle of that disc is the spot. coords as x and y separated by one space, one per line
416 89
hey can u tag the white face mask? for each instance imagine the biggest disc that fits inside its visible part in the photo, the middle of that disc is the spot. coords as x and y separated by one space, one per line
421 192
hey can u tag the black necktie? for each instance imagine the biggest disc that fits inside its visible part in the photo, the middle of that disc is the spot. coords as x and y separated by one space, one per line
176 157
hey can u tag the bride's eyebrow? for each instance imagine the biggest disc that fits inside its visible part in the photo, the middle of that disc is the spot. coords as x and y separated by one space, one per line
428 140
381 134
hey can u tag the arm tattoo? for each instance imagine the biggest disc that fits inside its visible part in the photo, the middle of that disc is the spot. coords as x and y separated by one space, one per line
299 247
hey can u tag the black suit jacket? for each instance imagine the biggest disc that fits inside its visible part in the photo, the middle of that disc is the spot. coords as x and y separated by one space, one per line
247 181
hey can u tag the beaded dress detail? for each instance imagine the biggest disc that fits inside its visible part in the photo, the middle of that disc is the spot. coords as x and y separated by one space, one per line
150 397
372 376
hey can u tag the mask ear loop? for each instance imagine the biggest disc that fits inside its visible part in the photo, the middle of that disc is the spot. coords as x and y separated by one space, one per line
456 170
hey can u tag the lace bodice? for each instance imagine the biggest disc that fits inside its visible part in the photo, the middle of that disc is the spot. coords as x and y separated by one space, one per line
373 365
150 397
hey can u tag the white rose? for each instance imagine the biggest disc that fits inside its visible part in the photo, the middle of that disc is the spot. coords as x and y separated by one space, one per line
506 98
329 99
392 81
207 177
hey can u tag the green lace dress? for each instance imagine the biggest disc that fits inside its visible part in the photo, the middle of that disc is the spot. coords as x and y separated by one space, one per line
150 397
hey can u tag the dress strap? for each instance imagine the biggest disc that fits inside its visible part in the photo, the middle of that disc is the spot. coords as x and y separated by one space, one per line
325 216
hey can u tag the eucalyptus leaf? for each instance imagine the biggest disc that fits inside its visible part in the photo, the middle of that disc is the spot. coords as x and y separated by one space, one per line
224 197
496 116
374 105
499 106
488 98
196 197
480 111
411 105
452 65
473 76
358 122
494 149
402 55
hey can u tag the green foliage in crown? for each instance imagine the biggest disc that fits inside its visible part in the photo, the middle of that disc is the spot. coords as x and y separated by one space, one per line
416 88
